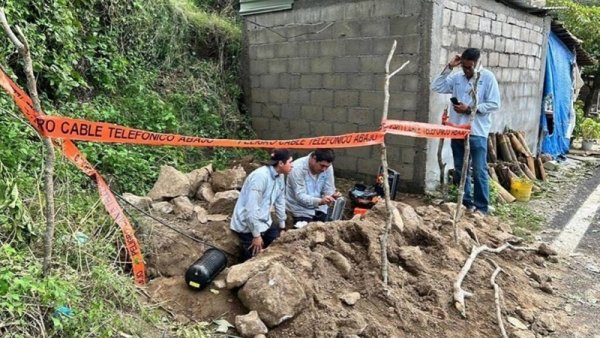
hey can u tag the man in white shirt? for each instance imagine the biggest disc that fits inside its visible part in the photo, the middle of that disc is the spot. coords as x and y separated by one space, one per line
263 189
460 85
311 186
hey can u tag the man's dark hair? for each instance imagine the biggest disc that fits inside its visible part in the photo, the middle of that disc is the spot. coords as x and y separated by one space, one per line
471 54
278 155
324 154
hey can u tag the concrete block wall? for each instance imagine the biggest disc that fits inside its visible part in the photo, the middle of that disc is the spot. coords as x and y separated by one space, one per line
319 70
513 45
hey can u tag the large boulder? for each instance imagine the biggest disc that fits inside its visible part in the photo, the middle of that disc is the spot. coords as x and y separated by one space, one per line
228 179
275 294
143 202
250 325
198 176
240 273
224 202
171 183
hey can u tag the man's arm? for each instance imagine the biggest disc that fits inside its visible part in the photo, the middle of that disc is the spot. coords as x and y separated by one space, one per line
298 185
491 98
280 205
443 83
329 187
256 188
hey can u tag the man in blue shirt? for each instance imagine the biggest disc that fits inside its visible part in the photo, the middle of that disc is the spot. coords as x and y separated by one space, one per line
263 189
311 186
460 85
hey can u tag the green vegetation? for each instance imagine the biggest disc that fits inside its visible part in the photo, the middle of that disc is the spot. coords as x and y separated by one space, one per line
160 65
524 221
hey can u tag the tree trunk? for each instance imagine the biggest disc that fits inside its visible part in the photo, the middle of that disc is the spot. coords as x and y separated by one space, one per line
20 42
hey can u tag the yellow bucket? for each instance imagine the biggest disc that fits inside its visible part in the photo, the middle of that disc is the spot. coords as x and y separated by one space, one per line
521 189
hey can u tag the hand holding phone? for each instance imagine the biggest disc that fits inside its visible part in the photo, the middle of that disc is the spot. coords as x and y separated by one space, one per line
454 100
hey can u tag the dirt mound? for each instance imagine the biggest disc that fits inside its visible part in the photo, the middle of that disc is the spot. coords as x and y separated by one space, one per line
332 262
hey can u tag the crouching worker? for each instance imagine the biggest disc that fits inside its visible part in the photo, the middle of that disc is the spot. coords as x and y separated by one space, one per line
263 189
311 186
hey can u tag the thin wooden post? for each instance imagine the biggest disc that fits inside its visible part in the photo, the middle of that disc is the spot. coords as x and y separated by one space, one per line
384 166
465 166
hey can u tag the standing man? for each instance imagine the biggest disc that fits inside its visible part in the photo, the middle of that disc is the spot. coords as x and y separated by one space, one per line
311 186
460 85
263 189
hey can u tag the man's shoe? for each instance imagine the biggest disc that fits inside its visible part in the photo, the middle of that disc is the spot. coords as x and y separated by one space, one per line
491 210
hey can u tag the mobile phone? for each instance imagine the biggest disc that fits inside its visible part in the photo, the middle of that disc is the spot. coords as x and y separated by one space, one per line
454 100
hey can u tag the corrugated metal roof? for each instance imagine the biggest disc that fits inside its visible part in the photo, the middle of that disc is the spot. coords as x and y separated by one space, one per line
573 43
249 7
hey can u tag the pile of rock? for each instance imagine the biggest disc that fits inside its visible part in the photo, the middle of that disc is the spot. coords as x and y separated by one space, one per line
202 194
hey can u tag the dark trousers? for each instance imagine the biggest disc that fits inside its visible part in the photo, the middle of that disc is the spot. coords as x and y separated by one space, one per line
246 240
478 156
318 217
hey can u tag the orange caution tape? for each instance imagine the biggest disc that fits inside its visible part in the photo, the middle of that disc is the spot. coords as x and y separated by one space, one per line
82 130
69 129
24 102
427 130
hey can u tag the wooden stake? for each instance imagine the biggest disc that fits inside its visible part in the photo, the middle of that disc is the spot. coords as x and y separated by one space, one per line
465 165
497 295
20 43
384 166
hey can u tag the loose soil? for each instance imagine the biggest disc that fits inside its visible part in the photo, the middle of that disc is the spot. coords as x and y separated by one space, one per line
424 263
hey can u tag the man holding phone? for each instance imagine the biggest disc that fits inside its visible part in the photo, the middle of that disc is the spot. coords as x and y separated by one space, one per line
460 85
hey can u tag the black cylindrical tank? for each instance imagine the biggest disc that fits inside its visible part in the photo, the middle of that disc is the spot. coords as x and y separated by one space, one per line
205 269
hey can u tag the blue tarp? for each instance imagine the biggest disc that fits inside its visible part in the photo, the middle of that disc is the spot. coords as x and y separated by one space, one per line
558 87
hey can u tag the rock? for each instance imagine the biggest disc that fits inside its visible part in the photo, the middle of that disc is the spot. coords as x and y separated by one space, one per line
205 192
220 283
240 273
539 261
553 259
275 294
170 183
551 165
355 324
410 217
545 250
250 325
350 298
318 237
183 207
397 221
228 179
547 321
141 202
522 334
200 214
340 262
535 276
162 207
569 309
525 314
217 218
516 323
504 227
260 336
198 176
224 202
412 257
448 208
546 287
